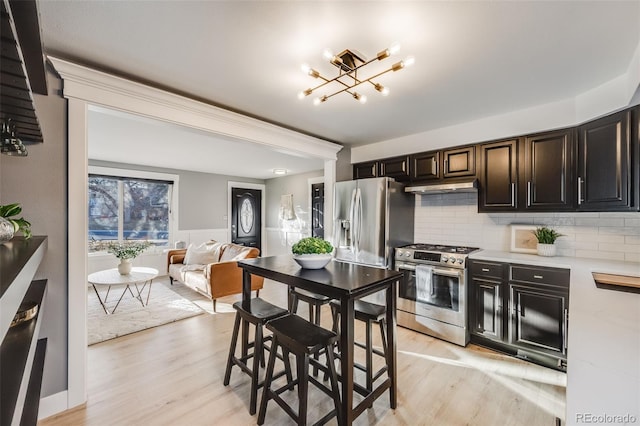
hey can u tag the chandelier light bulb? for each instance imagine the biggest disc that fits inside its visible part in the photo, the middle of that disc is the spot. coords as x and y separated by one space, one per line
328 54
316 101
305 68
363 99
394 48
300 95
409 61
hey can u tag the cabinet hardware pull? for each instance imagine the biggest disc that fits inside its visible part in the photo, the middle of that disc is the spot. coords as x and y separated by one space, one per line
435 165
529 194
485 270
580 181
538 277
513 194
446 166
566 328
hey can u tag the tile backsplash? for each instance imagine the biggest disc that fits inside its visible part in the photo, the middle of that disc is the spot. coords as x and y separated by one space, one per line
454 219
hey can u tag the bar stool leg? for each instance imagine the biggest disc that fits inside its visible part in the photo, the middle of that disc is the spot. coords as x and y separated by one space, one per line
232 350
333 378
369 356
257 358
266 390
303 388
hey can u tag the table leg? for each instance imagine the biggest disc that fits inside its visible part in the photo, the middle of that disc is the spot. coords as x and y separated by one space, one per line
346 359
391 339
100 299
149 291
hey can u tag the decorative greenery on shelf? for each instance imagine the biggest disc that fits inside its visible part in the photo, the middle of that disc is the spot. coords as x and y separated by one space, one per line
312 245
546 235
19 225
127 249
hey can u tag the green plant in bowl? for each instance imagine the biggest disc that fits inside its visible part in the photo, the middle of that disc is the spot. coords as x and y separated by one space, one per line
312 252
312 245
546 235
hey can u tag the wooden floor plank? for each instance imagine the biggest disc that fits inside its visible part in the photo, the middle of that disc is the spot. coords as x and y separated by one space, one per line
172 375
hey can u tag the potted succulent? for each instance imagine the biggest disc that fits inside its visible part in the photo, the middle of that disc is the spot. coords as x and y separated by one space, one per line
9 225
125 251
312 252
546 240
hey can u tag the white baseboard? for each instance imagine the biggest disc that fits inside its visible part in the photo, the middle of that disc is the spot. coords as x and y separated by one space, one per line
52 404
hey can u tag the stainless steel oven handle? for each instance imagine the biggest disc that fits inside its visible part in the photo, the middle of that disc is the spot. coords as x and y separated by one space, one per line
445 272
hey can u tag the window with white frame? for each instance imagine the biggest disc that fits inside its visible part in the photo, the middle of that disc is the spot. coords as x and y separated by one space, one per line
128 208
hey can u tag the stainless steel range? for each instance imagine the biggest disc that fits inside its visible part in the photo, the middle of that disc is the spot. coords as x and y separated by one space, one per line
434 298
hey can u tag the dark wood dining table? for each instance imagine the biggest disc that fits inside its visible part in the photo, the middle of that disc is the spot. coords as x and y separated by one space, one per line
345 282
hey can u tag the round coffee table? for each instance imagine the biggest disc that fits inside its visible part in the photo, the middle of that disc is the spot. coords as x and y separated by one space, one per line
111 277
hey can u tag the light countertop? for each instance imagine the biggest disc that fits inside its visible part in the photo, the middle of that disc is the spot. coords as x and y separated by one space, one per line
603 358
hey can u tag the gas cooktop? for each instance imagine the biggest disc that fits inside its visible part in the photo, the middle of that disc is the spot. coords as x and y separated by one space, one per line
437 248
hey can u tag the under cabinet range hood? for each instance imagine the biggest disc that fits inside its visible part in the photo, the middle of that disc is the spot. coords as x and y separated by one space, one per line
443 188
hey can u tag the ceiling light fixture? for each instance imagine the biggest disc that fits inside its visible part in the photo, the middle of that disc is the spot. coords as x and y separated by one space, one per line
280 171
348 63
11 145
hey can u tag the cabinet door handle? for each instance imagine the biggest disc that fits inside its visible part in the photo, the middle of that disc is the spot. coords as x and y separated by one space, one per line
446 167
538 277
513 194
529 194
485 270
580 181
565 327
435 166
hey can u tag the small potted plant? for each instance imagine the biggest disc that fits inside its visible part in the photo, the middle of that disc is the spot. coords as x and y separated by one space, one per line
546 240
125 251
312 252
9 225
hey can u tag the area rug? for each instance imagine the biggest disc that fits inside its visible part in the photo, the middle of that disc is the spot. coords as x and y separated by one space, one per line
164 306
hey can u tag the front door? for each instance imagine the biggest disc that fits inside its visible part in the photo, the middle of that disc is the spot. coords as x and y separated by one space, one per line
246 219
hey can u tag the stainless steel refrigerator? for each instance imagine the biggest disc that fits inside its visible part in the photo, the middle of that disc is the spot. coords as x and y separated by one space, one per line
371 217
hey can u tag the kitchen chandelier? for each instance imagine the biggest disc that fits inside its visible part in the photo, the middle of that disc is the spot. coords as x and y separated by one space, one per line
349 63
11 145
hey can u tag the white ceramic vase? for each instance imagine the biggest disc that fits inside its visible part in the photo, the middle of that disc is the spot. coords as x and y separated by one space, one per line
548 250
124 267
6 230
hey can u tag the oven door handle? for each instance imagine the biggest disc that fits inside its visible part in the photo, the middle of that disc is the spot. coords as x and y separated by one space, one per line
445 272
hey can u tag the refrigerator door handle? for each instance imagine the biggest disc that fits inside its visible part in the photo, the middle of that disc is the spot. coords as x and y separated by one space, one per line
352 223
359 217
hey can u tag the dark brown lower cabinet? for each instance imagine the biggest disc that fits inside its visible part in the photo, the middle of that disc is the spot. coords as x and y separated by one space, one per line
520 310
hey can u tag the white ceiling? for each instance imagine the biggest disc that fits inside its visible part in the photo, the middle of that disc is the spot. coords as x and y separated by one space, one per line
473 60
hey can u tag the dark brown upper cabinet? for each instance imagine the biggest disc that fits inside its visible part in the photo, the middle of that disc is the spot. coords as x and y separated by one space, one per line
498 177
547 182
365 170
425 166
396 167
460 162
606 166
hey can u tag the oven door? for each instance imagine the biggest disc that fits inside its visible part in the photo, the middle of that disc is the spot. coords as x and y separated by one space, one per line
444 300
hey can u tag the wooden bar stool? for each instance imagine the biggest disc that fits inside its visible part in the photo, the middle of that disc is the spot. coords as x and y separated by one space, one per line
315 301
303 339
369 313
258 314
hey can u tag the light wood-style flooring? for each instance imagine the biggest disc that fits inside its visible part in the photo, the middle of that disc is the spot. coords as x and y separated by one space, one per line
172 375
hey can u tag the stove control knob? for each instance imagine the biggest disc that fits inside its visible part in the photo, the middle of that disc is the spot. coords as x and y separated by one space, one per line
453 260
407 253
460 261
445 258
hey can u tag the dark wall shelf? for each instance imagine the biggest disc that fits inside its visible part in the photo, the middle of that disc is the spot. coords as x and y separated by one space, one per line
21 354
22 68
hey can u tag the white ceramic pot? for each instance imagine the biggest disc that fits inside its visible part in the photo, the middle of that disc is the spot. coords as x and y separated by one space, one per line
313 261
6 230
124 267
548 250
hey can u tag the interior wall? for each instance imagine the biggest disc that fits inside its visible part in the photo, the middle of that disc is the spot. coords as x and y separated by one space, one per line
344 169
39 183
298 185
203 197
454 219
